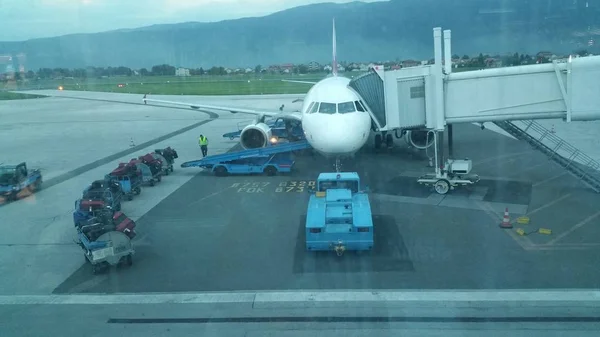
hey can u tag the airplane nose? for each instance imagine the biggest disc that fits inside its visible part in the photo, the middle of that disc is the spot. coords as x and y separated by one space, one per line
343 138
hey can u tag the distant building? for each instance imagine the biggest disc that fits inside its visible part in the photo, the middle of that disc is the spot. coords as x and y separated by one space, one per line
286 68
491 62
6 68
313 66
410 63
182 72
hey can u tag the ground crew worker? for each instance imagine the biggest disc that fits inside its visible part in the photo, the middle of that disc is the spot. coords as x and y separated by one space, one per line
203 142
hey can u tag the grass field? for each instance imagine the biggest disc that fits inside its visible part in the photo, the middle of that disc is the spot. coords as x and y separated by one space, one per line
5 95
224 87
193 85
250 84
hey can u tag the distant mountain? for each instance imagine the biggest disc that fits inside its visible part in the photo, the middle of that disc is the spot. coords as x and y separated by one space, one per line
366 31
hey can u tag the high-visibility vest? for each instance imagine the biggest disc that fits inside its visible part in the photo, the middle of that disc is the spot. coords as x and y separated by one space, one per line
203 141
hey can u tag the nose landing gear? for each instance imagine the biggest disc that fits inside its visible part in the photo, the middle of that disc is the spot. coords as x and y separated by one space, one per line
379 139
338 165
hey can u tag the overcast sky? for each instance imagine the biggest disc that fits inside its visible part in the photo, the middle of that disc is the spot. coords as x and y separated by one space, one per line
27 19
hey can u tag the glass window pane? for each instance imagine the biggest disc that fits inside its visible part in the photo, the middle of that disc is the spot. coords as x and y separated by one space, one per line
346 107
310 107
327 108
315 108
359 106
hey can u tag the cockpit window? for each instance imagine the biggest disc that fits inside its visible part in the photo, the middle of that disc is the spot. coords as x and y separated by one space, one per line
314 108
310 106
327 108
359 106
346 107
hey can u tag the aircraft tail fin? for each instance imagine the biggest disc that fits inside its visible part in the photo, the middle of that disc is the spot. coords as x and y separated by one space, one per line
334 64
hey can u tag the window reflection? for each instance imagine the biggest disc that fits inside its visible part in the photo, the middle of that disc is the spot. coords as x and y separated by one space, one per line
335 184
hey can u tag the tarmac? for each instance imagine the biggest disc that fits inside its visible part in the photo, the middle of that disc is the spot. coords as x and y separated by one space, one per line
201 233
76 138
245 232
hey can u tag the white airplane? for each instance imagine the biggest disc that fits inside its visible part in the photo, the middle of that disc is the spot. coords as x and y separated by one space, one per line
334 118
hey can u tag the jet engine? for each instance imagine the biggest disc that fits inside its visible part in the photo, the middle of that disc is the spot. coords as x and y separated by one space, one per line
418 139
255 136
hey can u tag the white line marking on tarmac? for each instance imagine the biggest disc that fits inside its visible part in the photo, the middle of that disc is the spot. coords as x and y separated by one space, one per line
407 297
492 159
577 244
546 205
549 179
209 196
89 284
574 228
560 247
519 172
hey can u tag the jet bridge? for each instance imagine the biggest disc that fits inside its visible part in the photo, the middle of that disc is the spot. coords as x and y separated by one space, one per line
408 98
429 97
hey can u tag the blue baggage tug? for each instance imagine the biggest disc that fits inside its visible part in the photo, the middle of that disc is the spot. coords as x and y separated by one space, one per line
17 181
339 215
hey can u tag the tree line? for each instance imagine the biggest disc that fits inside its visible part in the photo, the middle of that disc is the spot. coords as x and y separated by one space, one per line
99 72
167 70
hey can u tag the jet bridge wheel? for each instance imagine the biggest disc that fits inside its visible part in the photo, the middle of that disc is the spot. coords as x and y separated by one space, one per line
442 186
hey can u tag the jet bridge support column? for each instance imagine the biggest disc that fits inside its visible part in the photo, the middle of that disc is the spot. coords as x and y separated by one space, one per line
438 122
447 70
450 152
440 145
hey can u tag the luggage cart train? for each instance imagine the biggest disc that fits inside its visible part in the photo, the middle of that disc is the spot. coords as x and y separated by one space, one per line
104 232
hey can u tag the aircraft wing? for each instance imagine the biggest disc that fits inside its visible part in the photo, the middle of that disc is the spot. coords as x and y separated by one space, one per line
263 113
294 81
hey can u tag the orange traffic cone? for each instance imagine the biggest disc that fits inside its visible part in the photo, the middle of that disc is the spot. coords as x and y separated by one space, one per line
506 221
